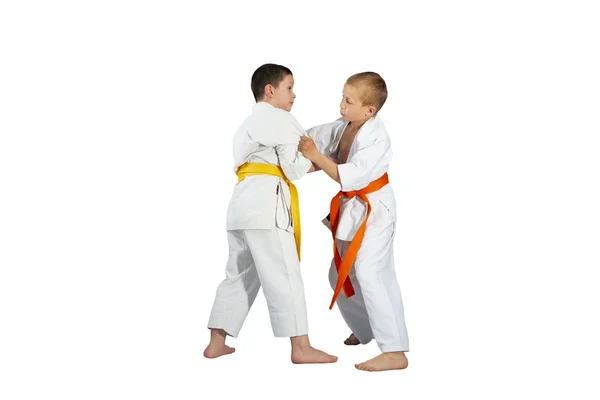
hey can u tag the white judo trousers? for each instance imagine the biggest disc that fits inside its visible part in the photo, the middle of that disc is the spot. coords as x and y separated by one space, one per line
266 258
376 310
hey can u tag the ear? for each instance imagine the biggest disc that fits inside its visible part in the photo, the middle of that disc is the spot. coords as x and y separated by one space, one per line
370 111
269 90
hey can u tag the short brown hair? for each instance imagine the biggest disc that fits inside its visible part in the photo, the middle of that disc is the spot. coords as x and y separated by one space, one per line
374 89
271 74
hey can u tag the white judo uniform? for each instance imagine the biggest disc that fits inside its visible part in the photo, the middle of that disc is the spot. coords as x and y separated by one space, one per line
260 231
376 310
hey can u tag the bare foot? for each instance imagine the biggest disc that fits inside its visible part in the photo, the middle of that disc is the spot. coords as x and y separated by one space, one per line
312 356
352 340
304 353
217 351
217 347
385 362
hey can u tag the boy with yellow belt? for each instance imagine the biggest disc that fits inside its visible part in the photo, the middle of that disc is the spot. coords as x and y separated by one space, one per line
263 222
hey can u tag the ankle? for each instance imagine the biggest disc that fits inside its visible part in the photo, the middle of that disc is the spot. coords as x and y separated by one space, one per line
394 354
300 343
218 336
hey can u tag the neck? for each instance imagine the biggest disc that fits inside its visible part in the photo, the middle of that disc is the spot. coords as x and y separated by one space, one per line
358 123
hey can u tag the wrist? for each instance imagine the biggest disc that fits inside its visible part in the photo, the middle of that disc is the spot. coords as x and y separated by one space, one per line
319 158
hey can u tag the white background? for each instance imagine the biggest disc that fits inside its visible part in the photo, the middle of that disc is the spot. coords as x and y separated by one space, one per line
116 122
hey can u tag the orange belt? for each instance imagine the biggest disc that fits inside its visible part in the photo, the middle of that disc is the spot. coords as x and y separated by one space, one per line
343 266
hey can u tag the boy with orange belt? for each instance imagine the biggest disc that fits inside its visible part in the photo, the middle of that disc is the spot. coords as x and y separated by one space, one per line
355 151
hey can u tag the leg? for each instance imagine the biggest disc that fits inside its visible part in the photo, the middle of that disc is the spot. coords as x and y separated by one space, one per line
234 297
353 308
375 273
276 259
393 349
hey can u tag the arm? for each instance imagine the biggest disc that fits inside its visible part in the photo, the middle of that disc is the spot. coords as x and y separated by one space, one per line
353 175
309 150
324 137
280 130
294 164
316 168
329 166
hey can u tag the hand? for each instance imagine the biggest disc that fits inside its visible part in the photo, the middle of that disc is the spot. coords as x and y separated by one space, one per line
308 148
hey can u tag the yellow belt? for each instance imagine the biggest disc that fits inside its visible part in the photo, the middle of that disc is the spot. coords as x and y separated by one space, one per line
249 169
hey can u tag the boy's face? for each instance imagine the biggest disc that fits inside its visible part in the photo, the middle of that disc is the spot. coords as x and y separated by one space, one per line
351 107
283 95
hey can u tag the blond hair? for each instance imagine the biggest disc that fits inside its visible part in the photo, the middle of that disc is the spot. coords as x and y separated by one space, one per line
373 90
